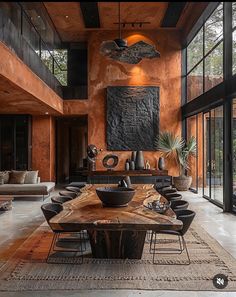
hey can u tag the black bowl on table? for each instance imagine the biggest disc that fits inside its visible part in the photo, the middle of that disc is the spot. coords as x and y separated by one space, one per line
115 196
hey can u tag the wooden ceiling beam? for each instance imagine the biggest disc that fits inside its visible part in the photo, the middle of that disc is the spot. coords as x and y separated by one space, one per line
172 14
90 14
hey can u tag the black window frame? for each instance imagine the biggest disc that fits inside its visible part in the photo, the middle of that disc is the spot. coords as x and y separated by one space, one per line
205 55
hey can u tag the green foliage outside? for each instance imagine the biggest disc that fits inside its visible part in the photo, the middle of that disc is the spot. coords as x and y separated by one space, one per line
60 63
213 30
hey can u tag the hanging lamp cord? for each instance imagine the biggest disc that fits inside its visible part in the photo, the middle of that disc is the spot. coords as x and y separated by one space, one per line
119 20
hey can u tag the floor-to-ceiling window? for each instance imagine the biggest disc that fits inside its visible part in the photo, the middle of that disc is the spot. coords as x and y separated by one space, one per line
234 153
205 56
213 153
209 85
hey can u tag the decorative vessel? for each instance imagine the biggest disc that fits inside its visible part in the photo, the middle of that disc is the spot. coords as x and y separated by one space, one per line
161 163
115 196
139 161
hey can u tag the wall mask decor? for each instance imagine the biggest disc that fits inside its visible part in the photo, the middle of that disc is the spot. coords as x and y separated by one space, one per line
132 118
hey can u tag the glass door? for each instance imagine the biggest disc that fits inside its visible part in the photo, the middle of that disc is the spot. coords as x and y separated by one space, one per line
213 155
206 155
234 153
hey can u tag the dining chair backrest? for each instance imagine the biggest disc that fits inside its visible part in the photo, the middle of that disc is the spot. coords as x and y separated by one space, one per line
172 196
73 189
61 199
186 216
67 193
179 204
50 210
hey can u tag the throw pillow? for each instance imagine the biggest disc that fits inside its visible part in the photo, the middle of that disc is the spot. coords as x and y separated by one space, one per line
1 179
5 175
17 177
31 177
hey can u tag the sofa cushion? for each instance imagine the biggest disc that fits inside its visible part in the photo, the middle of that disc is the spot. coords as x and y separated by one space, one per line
17 177
31 177
5 175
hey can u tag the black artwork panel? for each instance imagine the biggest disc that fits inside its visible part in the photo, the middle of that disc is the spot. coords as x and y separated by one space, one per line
132 117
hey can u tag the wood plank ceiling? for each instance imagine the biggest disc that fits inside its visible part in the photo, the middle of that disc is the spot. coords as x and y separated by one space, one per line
73 20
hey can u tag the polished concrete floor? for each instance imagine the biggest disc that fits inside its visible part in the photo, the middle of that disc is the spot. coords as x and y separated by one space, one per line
26 216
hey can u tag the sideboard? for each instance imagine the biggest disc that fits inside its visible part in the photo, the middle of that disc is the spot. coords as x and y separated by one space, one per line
137 176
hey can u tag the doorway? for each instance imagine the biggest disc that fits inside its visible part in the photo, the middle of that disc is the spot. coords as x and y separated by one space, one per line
15 142
71 147
213 154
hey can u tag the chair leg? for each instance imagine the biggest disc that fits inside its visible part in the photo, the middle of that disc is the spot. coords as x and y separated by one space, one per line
55 237
153 250
82 248
185 247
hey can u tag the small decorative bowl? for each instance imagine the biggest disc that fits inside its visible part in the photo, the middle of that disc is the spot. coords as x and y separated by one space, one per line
160 207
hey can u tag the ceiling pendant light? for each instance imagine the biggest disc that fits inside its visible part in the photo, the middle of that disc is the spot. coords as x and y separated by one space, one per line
118 49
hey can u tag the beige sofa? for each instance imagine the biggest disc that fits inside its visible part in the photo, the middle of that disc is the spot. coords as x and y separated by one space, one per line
27 189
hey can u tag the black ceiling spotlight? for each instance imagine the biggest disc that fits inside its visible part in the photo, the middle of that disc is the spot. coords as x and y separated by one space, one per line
119 50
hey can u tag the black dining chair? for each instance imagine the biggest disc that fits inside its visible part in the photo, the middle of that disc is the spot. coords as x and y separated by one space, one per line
50 210
73 189
179 204
79 185
61 199
67 193
172 196
164 190
186 216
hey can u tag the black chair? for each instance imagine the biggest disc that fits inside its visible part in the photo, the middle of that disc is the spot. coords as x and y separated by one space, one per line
73 189
163 190
50 210
61 199
186 216
67 193
179 204
78 184
172 196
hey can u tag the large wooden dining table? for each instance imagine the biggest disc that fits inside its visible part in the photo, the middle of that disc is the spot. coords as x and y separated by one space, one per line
114 232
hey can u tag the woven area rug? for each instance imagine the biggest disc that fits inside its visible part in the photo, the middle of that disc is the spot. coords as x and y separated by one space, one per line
27 269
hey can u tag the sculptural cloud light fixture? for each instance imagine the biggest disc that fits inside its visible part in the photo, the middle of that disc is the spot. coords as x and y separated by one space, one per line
119 50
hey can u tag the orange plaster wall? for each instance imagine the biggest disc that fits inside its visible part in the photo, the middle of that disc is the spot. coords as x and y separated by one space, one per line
13 69
43 147
164 72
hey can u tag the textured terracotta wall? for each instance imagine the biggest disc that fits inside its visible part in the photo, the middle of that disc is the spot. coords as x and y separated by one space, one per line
13 69
164 72
43 147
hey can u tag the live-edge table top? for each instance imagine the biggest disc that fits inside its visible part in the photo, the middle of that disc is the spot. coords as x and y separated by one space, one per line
87 212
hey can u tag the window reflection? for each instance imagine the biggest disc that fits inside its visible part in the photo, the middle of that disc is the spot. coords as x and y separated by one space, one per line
195 82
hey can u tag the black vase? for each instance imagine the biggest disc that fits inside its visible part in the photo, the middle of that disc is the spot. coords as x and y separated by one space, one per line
139 161
161 163
133 156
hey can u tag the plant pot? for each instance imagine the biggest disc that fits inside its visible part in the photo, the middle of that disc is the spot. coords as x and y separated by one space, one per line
182 183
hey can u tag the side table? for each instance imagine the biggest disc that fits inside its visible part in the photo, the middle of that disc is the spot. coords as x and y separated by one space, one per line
6 202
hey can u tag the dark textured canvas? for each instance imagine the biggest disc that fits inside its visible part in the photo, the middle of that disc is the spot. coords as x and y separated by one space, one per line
132 117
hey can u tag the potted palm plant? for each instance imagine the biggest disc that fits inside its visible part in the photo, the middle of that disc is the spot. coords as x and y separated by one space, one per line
177 148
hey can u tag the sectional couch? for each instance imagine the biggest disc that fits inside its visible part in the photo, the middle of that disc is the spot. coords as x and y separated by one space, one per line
23 183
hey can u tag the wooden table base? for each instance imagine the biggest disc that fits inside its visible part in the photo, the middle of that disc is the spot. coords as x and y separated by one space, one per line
117 244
